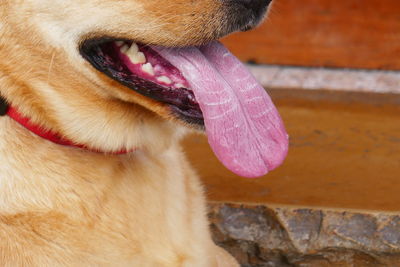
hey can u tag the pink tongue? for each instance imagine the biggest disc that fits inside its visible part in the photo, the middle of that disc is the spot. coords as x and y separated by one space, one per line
243 126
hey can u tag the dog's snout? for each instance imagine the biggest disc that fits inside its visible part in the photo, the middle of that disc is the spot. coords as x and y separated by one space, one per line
246 14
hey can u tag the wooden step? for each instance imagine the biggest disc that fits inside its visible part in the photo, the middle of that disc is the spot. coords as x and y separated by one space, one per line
344 149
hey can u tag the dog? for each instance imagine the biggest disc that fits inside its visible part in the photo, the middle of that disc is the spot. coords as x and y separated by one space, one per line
96 95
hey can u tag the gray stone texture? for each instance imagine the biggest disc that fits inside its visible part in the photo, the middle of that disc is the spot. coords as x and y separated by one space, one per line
261 236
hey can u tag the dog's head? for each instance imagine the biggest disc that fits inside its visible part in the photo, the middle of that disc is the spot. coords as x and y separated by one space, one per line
102 73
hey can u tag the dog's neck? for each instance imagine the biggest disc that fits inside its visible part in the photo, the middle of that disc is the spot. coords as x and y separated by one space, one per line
12 112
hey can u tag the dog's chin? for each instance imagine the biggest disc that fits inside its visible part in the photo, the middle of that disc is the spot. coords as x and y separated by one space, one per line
144 71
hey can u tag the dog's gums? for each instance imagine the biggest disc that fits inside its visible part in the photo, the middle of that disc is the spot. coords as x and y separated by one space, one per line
156 69
142 69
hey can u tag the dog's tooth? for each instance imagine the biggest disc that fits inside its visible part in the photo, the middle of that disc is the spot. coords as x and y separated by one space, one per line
148 68
133 53
124 48
134 49
119 43
179 85
164 79
138 58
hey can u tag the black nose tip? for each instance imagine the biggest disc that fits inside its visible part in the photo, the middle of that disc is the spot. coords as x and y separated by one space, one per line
257 6
248 13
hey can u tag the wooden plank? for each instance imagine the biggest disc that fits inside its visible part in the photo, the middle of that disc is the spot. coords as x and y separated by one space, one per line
344 153
350 33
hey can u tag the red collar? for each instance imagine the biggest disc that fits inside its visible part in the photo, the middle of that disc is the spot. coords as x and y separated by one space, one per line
46 134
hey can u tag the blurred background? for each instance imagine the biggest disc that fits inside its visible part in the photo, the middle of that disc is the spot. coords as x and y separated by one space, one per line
332 69
361 34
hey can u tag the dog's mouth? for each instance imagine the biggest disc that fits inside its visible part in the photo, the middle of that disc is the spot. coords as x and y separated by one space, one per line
202 85
143 70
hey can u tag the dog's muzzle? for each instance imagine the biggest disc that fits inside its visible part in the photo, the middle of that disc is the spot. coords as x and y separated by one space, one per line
246 14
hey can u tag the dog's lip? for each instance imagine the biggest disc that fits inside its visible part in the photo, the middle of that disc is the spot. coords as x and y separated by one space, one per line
181 102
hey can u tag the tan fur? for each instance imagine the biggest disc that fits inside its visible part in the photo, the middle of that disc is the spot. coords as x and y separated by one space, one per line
62 206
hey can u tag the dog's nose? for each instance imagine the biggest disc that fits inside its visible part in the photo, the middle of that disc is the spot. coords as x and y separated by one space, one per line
248 13
258 7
